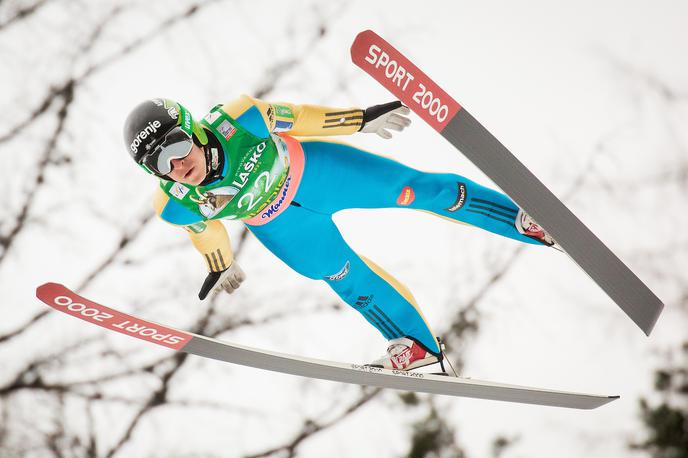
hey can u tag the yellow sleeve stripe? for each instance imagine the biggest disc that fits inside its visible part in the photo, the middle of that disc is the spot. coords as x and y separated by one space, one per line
349 124
339 113
343 119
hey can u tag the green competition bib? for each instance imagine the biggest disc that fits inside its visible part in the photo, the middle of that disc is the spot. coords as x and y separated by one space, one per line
255 169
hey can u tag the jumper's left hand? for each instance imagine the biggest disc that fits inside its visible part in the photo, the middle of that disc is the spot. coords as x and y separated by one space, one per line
228 280
377 119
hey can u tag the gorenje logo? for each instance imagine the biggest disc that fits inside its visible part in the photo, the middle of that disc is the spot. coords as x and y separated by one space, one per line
150 129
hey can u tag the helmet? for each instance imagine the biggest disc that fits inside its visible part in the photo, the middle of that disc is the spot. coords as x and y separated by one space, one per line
158 131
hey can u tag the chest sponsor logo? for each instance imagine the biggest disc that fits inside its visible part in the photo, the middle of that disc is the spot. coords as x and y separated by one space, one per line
273 208
212 202
178 190
460 198
341 274
246 167
226 129
406 197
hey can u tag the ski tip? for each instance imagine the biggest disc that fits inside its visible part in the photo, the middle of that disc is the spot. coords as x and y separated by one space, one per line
365 32
361 37
46 286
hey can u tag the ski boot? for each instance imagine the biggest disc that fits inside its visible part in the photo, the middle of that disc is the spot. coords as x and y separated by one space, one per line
528 227
405 354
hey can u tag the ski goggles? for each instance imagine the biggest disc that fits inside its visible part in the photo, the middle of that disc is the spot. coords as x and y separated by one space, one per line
177 144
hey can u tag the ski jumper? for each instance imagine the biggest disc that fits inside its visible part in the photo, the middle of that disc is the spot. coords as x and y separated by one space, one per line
286 190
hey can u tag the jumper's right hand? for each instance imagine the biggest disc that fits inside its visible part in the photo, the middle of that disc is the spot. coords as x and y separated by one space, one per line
229 280
379 118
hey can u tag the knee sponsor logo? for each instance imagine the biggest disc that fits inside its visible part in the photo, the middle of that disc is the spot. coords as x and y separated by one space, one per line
341 274
363 301
460 198
407 196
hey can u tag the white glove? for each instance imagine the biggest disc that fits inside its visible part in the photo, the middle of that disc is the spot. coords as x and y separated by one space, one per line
377 119
229 280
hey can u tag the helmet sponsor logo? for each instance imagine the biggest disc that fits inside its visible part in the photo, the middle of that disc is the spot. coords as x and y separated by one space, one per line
187 122
341 274
460 198
150 129
272 209
407 196
171 109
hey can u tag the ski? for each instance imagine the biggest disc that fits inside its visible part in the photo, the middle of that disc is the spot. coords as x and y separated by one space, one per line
64 300
416 90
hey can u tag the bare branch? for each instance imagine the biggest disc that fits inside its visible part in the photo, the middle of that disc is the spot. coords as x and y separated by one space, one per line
23 13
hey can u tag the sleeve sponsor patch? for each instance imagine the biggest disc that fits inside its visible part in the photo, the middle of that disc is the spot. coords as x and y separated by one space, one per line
196 228
226 129
283 111
283 126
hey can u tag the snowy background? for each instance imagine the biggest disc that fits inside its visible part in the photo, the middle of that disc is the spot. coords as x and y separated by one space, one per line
592 96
